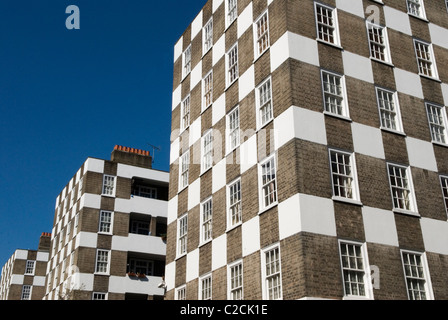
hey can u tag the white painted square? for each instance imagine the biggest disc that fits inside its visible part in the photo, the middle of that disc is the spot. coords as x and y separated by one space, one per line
251 236
353 7
445 93
379 226
196 26
90 201
245 20
21 254
192 265
170 275
219 252
195 131
435 235
219 109
279 52
177 97
439 35
178 48
397 20
93 165
246 83
305 213
357 66
194 194
303 49
219 50
172 209
408 83
174 151
368 140
196 76
219 175
216 4
421 154
248 154
300 123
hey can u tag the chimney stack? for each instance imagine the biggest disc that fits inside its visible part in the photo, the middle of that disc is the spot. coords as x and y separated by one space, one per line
131 156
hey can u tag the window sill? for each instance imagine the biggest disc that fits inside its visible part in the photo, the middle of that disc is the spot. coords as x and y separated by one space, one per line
338 116
261 127
261 54
107 195
233 227
356 298
205 171
418 17
203 109
337 46
263 210
229 85
430 78
180 256
347 200
231 150
440 144
393 131
105 233
406 212
203 243
389 64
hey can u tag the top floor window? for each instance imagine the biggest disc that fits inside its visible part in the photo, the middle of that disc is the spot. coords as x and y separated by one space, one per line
262 34
108 185
378 42
30 267
208 35
416 8
231 11
327 24
186 62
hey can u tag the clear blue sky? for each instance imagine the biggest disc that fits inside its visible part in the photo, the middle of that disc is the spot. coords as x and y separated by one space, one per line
66 95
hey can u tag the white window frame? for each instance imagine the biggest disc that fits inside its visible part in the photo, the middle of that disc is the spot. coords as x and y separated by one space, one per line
205 293
385 108
80 187
186 62
206 221
207 91
441 136
334 95
347 270
232 70
334 16
264 101
184 170
270 185
27 290
182 235
234 220
30 267
355 196
380 40
411 276
207 151
103 223
261 38
106 184
409 190
446 3
444 186
235 287
277 274
424 62
207 36
413 5
98 295
231 12
233 129
181 293
98 268
185 113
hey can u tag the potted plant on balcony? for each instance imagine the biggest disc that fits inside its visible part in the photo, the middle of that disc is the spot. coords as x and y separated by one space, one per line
163 236
131 274
141 275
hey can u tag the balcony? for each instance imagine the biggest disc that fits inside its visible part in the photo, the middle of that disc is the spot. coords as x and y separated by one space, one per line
148 285
139 243
153 207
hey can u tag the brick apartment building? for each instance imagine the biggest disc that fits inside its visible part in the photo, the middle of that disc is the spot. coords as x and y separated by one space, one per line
108 232
309 154
23 275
